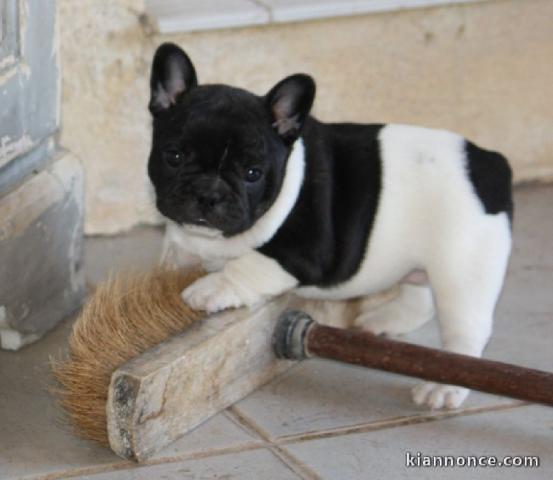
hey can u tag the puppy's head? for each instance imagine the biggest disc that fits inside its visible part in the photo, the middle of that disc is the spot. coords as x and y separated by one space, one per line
219 153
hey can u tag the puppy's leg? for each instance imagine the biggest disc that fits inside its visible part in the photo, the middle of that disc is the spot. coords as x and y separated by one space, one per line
466 285
412 307
244 281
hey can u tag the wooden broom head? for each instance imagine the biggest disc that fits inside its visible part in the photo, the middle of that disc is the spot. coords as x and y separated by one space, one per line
125 316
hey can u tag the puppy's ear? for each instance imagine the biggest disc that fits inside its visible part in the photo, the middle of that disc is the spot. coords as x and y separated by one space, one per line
172 75
289 102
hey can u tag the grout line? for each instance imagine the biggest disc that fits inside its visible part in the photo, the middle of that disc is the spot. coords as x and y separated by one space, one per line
108 467
392 423
213 452
251 427
294 464
247 424
127 465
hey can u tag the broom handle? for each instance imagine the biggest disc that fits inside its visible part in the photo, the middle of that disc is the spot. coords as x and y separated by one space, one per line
298 336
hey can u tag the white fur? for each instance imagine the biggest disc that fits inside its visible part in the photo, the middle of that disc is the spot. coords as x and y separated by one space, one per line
173 252
428 218
247 280
439 396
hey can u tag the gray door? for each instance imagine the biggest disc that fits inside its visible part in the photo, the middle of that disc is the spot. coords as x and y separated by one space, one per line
29 93
41 194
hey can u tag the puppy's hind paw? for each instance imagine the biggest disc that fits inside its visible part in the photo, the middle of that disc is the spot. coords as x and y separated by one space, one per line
382 322
436 395
408 311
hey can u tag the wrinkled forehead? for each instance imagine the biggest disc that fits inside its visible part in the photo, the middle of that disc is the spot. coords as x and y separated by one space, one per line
205 126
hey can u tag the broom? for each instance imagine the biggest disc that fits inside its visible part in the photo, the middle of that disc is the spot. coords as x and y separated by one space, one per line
139 406
132 312
125 316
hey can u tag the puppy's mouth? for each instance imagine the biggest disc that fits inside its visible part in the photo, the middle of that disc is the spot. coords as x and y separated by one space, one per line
202 230
193 221
227 221
202 222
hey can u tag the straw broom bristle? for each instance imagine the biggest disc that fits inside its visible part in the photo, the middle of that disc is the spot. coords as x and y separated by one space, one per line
126 315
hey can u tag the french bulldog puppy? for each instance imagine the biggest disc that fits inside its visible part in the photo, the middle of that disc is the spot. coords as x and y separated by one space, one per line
269 199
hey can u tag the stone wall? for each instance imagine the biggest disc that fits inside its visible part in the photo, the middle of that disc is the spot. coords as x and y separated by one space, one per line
482 69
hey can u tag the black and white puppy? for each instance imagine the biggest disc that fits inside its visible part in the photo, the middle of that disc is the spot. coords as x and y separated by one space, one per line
270 199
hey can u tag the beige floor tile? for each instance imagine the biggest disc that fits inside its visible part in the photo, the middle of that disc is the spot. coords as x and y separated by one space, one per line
33 436
382 454
322 395
524 319
216 434
138 250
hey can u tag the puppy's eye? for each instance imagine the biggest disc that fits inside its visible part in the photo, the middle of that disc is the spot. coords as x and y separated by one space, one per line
173 158
253 175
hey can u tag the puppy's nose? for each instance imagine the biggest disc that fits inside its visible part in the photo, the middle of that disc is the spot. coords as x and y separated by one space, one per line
209 199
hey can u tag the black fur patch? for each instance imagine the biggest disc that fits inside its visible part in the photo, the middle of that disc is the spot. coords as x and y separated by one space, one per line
324 238
491 178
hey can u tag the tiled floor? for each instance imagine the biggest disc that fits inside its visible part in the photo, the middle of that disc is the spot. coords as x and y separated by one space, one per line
320 420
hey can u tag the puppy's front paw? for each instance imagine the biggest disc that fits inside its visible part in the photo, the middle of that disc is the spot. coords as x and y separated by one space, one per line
436 395
212 293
